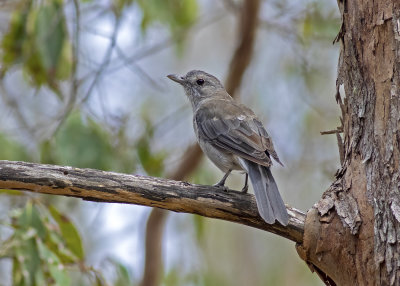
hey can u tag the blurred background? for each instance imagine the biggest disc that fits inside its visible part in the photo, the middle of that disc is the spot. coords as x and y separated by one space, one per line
83 83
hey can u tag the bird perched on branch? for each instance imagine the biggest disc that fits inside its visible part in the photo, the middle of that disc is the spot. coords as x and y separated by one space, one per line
233 138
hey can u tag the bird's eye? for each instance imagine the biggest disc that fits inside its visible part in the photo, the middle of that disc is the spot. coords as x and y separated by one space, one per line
200 81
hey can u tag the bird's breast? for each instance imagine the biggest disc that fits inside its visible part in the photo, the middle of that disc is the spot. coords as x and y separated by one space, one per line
222 158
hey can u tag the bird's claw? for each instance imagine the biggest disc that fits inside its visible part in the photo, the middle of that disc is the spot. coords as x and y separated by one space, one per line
223 187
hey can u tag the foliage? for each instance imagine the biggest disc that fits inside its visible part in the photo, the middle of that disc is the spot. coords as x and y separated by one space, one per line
123 275
38 40
317 24
46 249
87 145
44 246
177 14
152 162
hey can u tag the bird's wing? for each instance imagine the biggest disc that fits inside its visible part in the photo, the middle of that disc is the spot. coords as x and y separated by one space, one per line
236 129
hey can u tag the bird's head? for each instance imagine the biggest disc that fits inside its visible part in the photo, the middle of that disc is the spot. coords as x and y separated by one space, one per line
199 85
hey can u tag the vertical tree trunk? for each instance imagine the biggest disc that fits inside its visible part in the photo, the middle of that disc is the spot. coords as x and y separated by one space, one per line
352 235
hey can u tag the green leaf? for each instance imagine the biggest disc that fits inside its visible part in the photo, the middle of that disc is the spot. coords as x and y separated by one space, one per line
64 65
39 251
69 233
318 23
29 228
50 28
87 145
27 260
57 245
177 14
17 276
30 220
47 152
56 268
153 163
199 226
50 33
81 145
123 274
13 40
38 39
11 192
40 278
59 274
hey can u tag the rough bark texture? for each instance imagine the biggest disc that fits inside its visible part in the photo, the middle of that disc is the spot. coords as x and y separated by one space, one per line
352 236
101 186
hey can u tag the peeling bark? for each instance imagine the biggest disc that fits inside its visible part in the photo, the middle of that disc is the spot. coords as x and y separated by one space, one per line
353 233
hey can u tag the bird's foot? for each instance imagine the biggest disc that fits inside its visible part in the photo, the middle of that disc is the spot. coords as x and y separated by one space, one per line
222 187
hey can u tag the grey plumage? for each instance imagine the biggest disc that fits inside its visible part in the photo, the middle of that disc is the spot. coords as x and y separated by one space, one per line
233 138
269 201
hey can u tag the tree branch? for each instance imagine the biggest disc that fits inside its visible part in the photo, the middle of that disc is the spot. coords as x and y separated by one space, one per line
101 186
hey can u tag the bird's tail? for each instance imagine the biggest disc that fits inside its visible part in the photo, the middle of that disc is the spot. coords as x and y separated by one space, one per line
269 202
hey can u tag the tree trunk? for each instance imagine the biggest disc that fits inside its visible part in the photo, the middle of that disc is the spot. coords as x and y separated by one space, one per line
352 236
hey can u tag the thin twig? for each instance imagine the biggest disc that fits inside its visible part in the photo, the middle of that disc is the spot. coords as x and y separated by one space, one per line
334 131
136 69
14 106
106 59
166 43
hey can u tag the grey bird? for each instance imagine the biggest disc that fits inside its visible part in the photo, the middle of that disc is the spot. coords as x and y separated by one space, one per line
232 137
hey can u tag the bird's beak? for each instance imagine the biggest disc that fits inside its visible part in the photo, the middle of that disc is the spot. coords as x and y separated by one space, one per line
176 78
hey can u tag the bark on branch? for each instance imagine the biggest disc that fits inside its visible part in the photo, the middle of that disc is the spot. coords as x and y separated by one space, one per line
101 186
